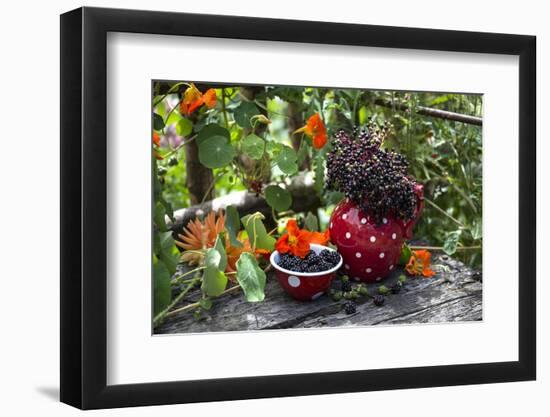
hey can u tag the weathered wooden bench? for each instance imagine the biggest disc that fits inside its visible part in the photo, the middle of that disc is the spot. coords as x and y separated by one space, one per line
453 294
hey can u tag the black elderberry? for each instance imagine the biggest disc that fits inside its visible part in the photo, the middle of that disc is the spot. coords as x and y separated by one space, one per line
346 286
396 287
378 300
374 178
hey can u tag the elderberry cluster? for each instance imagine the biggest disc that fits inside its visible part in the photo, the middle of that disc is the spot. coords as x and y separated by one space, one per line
373 178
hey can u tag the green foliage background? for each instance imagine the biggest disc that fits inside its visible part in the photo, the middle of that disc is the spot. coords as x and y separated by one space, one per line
445 155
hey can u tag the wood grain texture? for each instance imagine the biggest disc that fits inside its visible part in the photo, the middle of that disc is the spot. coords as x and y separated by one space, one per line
454 294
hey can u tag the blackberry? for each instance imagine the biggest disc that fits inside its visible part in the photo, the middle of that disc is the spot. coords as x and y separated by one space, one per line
350 307
173 161
396 287
375 179
330 256
378 300
346 286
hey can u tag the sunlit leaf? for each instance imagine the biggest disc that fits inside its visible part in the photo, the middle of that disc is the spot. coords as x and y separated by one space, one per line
251 277
278 198
215 152
253 146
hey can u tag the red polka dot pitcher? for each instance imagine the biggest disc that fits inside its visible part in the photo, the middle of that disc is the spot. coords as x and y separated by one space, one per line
370 251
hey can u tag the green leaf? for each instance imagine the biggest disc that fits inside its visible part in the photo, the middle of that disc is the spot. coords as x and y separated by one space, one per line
405 254
221 250
166 251
158 216
253 146
274 148
477 230
232 225
259 239
205 303
451 242
286 160
158 122
402 279
214 281
162 291
184 127
211 130
244 112
312 224
251 277
319 173
214 152
278 198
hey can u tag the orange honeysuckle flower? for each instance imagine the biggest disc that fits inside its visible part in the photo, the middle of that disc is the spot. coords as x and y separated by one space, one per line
209 98
315 129
296 241
419 264
192 100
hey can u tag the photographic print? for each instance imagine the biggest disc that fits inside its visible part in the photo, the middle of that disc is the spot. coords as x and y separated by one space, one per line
292 207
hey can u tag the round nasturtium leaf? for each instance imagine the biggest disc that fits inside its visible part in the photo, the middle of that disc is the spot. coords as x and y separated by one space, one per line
253 146
244 112
278 198
286 161
184 127
212 130
215 152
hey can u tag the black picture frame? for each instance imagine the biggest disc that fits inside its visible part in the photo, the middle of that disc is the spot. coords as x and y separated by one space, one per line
84 207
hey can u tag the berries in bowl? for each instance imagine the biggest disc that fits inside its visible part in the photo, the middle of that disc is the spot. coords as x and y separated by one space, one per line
304 266
309 277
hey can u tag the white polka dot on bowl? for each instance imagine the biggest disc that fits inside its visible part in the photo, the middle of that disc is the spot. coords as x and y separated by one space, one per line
381 255
369 270
344 216
372 239
363 221
293 281
394 236
357 254
348 235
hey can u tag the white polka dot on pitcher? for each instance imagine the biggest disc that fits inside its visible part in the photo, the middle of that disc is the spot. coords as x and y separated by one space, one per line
391 267
393 236
348 235
344 216
357 254
385 221
381 255
372 239
369 270
363 221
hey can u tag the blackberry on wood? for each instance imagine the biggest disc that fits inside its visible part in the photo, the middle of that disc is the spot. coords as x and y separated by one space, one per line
350 307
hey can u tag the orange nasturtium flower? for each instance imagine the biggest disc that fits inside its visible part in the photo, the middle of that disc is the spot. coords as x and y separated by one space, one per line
193 99
316 130
297 241
156 141
419 264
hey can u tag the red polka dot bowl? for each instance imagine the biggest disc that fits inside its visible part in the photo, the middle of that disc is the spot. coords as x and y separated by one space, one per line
370 251
305 286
